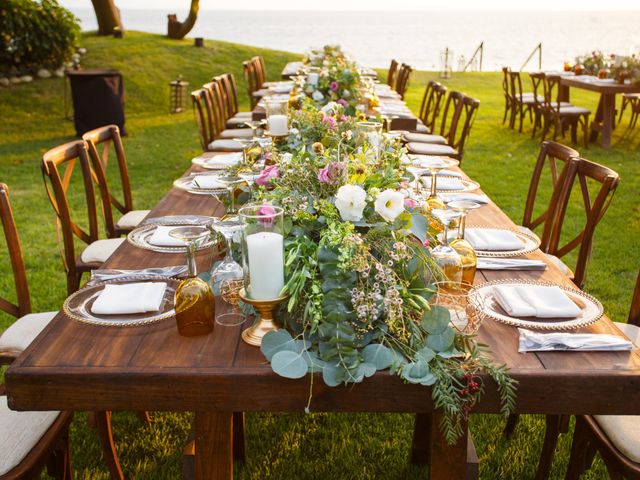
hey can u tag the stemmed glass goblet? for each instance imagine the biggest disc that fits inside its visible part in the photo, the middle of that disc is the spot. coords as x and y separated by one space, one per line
462 246
444 255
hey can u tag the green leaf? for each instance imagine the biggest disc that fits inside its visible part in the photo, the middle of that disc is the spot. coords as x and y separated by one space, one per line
436 320
314 363
289 364
378 355
366 369
419 226
425 354
274 342
442 341
330 375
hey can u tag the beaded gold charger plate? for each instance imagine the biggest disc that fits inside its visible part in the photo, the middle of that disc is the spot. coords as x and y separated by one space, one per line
530 243
187 183
140 237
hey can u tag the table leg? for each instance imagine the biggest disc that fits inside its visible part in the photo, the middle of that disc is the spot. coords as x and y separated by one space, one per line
563 93
608 112
421 444
448 462
214 445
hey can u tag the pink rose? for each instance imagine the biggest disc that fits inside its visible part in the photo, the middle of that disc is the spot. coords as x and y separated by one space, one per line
426 243
267 214
410 203
334 86
343 102
332 173
330 122
267 175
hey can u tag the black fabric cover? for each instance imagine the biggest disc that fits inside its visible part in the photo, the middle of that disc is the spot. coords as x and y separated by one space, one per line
98 99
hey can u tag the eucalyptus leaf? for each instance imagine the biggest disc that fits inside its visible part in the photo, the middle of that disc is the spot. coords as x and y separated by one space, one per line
436 320
419 226
442 341
425 354
367 369
330 375
314 363
379 355
275 341
289 364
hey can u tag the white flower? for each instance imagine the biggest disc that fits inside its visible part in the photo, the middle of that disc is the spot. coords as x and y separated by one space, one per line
389 204
350 202
346 93
286 158
317 96
330 108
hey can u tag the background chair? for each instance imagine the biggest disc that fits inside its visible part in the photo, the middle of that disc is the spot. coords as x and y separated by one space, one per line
106 137
205 123
522 103
235 118
402 81
633 100
216 103
615 437
254 75
430 107
392 73
507 93
97 251
561 115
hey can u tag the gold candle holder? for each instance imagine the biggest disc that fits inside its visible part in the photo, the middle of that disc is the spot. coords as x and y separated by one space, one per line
253 335
278 140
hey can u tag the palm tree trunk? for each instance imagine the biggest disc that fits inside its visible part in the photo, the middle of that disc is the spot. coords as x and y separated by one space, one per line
177 29
108 16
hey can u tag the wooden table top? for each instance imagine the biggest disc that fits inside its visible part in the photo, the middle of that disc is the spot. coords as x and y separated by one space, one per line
594 84
75 366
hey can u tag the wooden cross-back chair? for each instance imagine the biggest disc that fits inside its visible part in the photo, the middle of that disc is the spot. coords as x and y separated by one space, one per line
506 92
402 81
431 104
31 440
392 73
236 119
108 137
595 200
556 158
216 102
261 70
57 182
254 83
522 103
561 115
200 108
615 437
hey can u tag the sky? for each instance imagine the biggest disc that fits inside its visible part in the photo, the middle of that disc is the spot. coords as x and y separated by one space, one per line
467 5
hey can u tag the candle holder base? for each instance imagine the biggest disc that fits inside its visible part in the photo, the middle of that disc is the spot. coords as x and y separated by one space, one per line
278 140
254 334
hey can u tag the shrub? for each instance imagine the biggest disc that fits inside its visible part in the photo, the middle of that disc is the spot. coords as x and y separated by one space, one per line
35 34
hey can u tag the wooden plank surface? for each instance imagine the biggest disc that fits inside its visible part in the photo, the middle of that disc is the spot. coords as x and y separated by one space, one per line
82 367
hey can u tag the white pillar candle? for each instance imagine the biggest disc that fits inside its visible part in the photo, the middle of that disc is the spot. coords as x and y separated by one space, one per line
278 125
312 79
265 252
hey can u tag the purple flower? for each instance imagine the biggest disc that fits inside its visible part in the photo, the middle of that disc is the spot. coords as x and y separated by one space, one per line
330 122
267 213
331 173
267 175
334 86
343 102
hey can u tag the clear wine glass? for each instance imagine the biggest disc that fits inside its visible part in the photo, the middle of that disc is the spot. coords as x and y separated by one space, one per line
445 256
255 125
227 276
230 181
417 171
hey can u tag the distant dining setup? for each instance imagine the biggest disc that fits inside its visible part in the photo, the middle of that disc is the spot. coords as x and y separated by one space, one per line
327 252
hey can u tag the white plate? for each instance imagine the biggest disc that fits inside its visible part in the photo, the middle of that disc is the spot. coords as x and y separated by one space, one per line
530 243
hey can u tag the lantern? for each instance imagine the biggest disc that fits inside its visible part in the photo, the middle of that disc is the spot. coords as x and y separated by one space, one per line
178 95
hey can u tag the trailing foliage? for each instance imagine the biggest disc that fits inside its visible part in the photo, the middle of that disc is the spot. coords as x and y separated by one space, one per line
35 34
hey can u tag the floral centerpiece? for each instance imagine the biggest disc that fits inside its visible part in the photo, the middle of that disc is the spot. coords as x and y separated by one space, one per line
360 279
593 62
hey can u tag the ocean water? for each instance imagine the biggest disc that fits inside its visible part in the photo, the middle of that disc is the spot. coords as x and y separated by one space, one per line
418 38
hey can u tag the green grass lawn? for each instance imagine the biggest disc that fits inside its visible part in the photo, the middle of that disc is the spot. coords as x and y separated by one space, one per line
159 148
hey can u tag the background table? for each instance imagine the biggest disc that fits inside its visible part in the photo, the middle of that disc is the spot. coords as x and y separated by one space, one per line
75 366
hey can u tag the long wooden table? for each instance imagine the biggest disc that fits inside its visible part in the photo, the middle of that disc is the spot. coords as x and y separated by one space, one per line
74 366
604 120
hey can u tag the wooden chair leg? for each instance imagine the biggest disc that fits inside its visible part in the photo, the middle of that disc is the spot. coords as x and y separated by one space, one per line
421 444
586 132
238 436
144 417
103 424
59 464
549 446
510 426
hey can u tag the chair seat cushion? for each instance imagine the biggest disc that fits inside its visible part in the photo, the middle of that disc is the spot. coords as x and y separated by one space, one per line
225 146
425 138
132 219
230 133
100 250
21 333
245 115
624 433
237 122
260 93
431 149
631 331
573 110
422 128
19 433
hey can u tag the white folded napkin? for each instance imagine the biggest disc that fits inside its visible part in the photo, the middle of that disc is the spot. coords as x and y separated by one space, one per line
443 183
535 301
129 298
207 182
540 342
493 240
471 197
161 237
509 264
224 160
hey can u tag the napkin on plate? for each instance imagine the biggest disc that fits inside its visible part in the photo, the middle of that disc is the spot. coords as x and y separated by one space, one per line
443 183
471 197
207 182
224 160
540 342
161 237
492 240
535 301
129 298
509 264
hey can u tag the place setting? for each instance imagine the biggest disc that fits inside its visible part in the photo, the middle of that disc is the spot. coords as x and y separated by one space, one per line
219 161
159 234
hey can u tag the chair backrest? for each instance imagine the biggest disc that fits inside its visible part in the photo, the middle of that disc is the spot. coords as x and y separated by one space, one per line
597 186
551 92
537 82
261 70
392 73
253 83
215 104
402 81
23 305
230 89
57 182
462 123
505 82
450 112
431 103
107 137
515 86
200 101
634 311
557 158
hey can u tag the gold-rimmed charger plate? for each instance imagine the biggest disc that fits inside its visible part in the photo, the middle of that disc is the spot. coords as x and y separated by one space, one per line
530 243
139 236
467 185
212 162
186 183
481 297
78 305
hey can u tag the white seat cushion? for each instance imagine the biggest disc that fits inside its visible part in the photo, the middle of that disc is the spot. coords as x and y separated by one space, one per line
559 263
244 115
237 122
425 138
236 133
132 219
430 149
260 93
100 250
573 110
21 333
624 433
422 128
631 331
19 433
225 146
